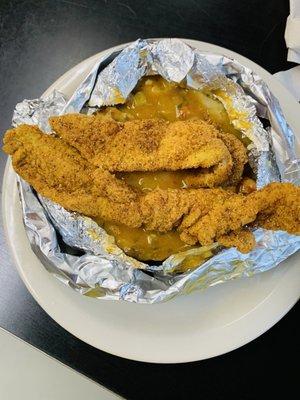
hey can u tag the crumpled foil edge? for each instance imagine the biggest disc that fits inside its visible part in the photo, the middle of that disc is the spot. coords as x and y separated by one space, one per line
104 271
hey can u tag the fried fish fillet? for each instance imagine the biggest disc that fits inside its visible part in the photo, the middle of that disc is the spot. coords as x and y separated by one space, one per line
275 207
154 145
58 171
238 161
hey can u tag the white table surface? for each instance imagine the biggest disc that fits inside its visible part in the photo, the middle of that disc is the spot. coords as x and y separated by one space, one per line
28 374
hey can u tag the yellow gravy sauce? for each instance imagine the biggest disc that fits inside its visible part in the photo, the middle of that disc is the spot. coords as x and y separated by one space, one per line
154 97
145 245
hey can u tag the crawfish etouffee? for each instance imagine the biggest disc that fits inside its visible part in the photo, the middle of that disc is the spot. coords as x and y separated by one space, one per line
163 173
154 98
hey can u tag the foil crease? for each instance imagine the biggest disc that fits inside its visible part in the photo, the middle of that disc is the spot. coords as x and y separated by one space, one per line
81 254
37 111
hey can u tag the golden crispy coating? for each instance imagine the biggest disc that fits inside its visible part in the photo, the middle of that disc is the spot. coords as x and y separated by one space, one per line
164 210
279 205
246 185
242 239
238 154
275 207
58 171
153 145
231 168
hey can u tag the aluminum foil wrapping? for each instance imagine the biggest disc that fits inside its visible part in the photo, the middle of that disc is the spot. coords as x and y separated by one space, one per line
81 254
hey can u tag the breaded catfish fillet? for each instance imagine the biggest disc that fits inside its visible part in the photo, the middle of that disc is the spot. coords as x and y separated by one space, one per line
275 207
154 145
58 171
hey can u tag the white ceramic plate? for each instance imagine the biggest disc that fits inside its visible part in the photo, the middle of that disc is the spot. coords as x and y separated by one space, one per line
201 325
